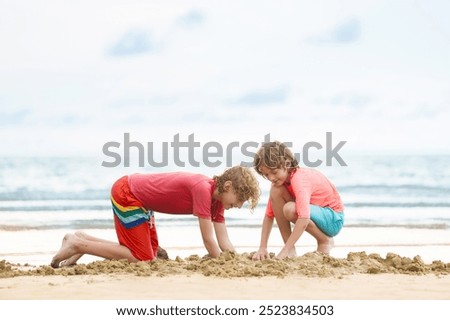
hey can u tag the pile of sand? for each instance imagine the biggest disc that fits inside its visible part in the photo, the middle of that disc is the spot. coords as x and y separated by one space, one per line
231 265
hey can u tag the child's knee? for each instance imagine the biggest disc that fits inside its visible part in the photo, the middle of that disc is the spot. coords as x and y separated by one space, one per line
289 211
276 193
279 194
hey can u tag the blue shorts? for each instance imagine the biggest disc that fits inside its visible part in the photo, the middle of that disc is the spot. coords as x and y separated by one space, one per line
328 221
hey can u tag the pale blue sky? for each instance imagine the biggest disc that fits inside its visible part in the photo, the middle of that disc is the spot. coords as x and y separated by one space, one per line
77 74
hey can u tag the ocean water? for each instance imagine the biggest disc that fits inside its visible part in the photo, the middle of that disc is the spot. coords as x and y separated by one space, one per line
73 193
393 204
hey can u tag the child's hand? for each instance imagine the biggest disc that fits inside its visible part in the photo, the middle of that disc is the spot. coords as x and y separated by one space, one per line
261 254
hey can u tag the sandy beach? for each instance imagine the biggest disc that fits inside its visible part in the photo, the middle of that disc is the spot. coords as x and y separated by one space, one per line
234 276
366 263
394 266
198 287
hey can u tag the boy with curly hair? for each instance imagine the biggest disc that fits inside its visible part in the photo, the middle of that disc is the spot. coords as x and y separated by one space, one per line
301 196
135 198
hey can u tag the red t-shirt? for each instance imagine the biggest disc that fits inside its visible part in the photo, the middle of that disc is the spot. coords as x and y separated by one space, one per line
177 193
308 186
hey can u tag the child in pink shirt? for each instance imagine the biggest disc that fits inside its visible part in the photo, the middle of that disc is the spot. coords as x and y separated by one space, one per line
134 199
301 196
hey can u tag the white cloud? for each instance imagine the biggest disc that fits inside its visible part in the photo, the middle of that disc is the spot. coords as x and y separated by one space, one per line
134 41
77 74
346 32
262 98
193 18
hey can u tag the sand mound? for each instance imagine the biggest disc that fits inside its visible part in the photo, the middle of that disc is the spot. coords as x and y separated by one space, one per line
231 265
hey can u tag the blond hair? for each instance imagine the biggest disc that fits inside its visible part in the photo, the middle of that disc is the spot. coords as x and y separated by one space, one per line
274 155
244 183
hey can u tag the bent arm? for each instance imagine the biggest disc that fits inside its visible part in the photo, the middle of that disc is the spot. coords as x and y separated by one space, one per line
222 237
265 232
299 228
207 231
262 253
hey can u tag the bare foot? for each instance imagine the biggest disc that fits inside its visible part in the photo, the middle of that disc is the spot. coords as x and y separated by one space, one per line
66 251
292 253
73 259
326 246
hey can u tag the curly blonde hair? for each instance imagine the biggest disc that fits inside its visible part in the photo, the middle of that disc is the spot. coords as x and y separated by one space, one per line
244 184
274 155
